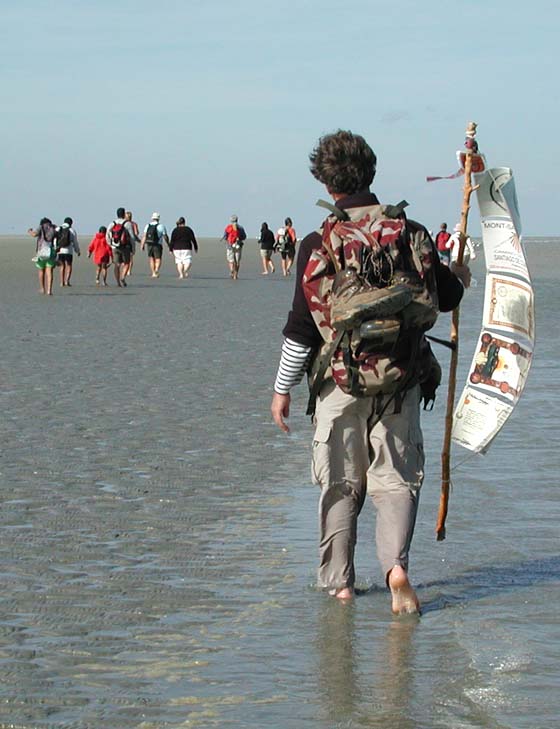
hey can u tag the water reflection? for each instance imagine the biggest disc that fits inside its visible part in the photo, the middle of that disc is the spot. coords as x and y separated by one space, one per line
337 670
394 675
365 673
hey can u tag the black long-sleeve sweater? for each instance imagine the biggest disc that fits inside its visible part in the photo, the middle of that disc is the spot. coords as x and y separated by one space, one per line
183 238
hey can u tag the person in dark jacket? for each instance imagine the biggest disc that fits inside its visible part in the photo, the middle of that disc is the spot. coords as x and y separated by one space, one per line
182 244
356 450
267 248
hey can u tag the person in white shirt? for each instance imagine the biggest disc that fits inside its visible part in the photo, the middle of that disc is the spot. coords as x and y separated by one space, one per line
453 246
154 235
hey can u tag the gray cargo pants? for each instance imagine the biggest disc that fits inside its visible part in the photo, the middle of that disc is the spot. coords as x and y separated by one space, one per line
352 455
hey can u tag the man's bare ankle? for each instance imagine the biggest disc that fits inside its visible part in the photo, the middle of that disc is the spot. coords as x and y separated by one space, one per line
342 593
403 596
397 577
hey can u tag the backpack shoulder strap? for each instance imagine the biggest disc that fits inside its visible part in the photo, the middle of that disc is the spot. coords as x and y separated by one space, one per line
395 211
340 215
337 212
390 211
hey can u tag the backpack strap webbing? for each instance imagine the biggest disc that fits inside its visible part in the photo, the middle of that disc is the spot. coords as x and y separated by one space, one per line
322 366
395 211
444 342
340 215
391 211
337 212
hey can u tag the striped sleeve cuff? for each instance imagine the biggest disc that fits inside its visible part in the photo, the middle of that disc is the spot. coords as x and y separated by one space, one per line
293 365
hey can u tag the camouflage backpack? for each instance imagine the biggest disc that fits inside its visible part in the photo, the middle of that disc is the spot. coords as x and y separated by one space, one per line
372 293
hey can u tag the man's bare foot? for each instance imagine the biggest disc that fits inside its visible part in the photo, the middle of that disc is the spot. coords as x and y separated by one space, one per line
343 593
404 600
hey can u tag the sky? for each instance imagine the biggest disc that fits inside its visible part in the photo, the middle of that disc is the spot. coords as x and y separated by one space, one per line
205 109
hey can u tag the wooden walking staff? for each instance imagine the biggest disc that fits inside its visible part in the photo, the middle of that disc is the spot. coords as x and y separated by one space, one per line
471 149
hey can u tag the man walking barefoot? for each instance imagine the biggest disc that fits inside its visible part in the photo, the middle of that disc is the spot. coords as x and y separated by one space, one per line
119 236
66 245
363 443
154 235
234 236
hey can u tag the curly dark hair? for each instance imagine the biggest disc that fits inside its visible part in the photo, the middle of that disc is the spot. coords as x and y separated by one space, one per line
344 162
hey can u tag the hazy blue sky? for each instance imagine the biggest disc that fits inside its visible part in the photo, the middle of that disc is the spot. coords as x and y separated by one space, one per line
207 108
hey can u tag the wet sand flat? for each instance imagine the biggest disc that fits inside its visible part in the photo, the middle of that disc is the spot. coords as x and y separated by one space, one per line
157 534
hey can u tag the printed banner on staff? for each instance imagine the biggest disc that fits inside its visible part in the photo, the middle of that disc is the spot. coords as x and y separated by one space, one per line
500 366
509 306
504 352
478 419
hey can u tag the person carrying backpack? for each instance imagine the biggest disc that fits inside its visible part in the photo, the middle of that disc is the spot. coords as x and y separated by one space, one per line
119 236
234 237
154 235
45 253
66 245
286 245
367 288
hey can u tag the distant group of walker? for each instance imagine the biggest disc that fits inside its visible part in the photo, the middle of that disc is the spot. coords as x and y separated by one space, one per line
116 244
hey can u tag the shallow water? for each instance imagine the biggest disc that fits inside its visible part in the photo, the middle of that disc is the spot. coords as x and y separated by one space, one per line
158 535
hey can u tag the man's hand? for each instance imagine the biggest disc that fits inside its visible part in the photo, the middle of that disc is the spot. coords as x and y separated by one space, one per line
280 409
463 273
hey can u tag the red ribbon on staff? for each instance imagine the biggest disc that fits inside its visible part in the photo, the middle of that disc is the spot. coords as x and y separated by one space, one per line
449 177
478 164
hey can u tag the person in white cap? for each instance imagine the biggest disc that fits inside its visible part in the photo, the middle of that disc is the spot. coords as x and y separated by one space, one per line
453 246
155 234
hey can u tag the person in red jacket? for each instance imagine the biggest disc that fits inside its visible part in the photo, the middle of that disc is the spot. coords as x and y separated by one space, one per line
102 255
233 236
441 244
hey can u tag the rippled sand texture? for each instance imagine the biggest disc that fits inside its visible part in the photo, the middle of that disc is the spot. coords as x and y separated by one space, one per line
157 534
